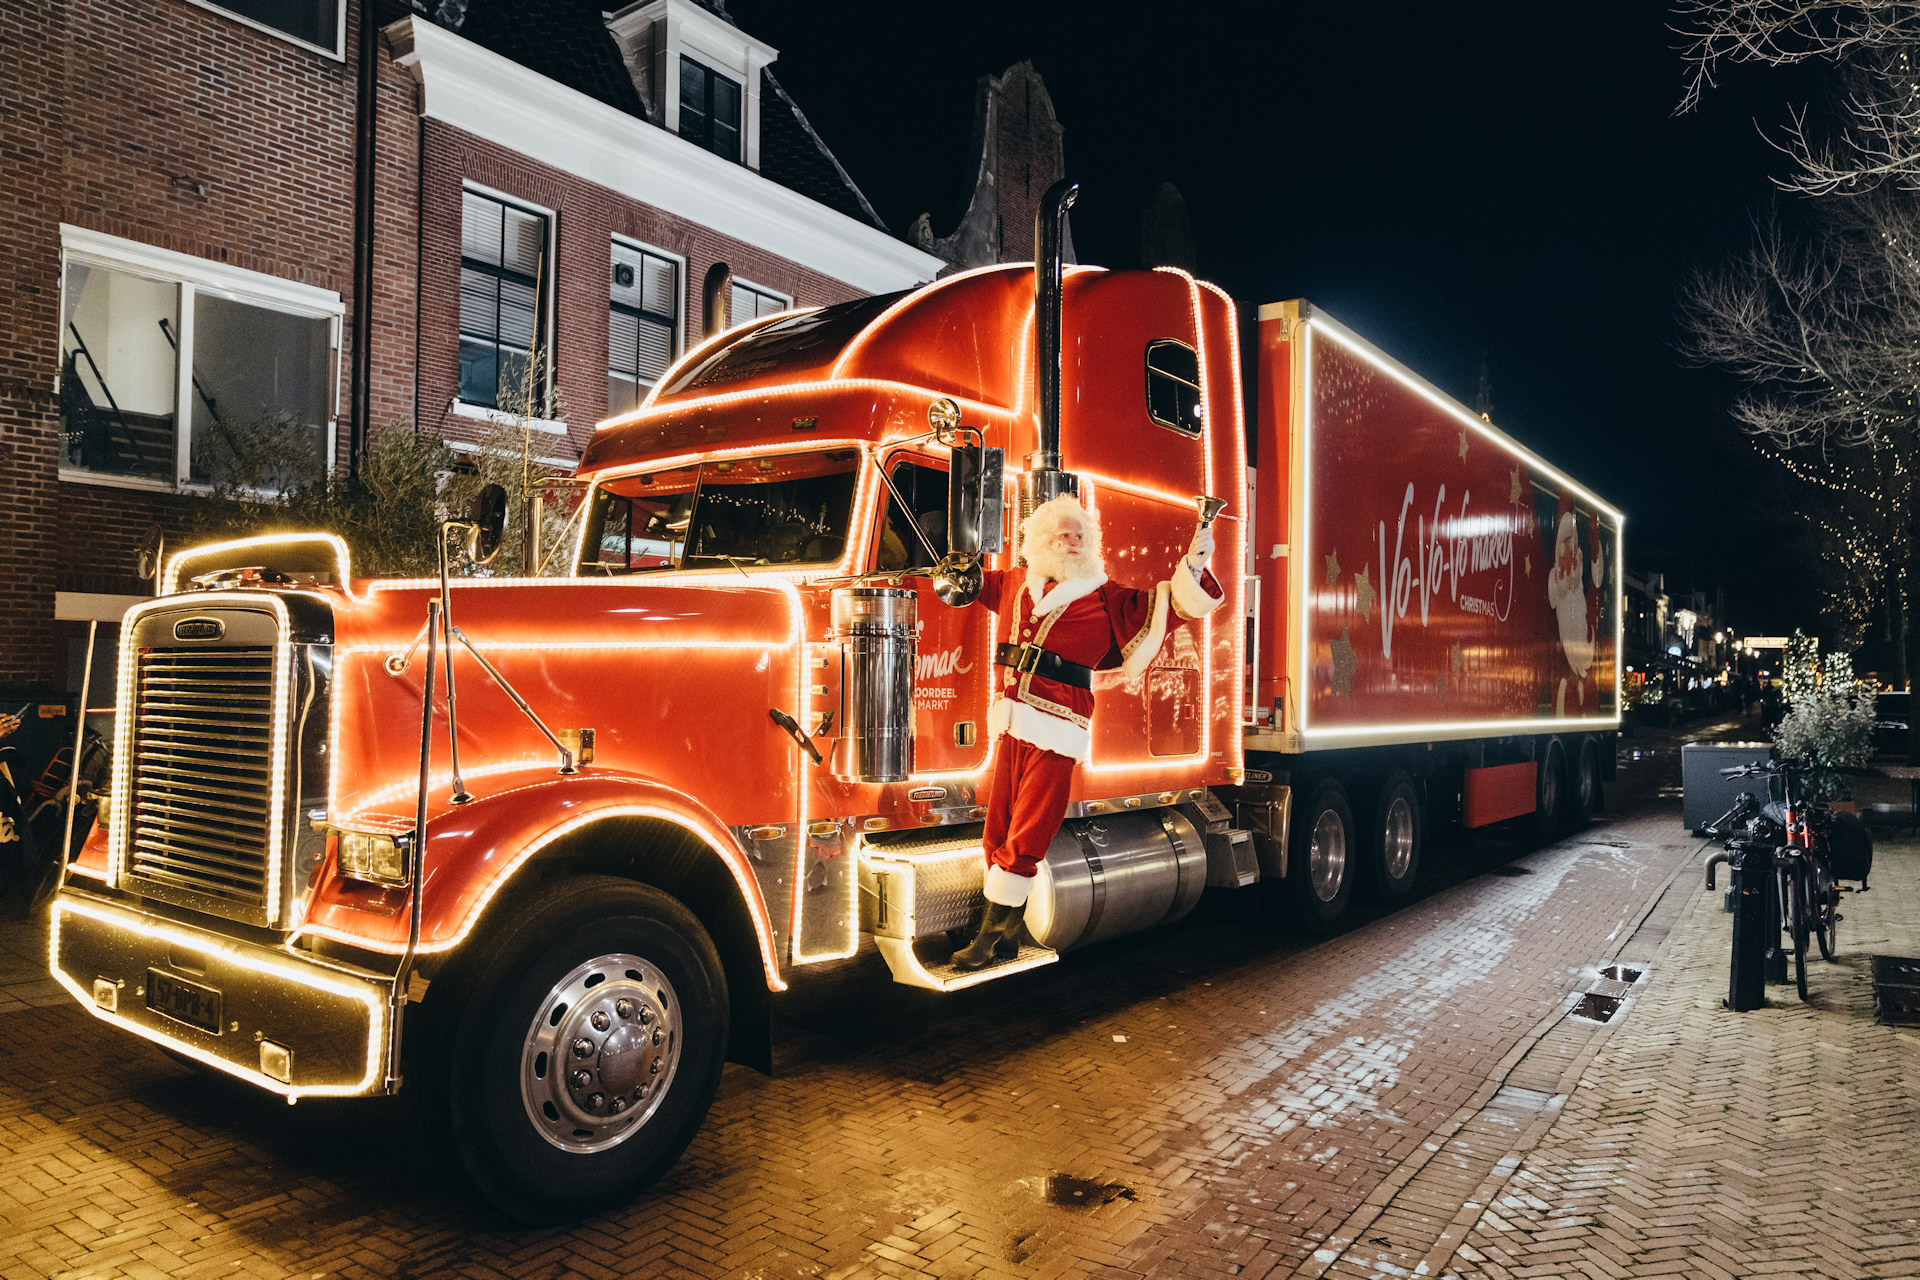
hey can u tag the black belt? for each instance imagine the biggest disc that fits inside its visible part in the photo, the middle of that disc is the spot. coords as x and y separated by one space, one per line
1051 666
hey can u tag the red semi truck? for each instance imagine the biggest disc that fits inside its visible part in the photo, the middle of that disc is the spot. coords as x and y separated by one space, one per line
547 848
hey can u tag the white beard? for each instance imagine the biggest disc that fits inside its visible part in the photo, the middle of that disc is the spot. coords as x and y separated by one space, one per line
1063 566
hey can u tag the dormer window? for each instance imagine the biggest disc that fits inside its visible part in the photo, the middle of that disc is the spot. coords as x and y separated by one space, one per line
698 75
709 109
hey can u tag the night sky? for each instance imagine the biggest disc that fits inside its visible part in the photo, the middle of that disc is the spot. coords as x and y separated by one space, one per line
1444 179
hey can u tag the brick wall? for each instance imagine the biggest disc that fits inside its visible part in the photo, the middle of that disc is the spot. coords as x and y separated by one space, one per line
163 123
587 216
1027 154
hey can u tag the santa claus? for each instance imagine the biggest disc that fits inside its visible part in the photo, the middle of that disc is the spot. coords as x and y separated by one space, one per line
1068 622
1567 595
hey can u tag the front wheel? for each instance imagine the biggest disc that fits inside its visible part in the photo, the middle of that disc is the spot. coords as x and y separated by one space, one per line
588 1052
1797 910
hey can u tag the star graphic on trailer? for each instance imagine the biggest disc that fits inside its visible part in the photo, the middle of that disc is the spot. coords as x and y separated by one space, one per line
1363 595
1344 663
1463 442
1333 567
1513 492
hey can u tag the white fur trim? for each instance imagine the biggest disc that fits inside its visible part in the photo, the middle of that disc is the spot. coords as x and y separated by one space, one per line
1190 599
1036 728
1062 594
1006 888
1141 656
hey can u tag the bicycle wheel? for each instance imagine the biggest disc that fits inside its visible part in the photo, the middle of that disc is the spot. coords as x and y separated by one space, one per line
1826 913
1798 917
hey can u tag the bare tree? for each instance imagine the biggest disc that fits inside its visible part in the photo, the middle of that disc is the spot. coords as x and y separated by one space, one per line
1822 328
1872 135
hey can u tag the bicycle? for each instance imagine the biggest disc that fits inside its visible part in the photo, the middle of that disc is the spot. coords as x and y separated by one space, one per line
1806 898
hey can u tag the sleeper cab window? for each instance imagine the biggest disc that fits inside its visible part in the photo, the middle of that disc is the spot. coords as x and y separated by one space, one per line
1173 386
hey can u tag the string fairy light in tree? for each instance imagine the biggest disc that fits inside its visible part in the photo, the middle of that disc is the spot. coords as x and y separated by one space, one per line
1800 674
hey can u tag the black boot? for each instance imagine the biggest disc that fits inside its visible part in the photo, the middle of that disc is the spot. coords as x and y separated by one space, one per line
1007 947
976 953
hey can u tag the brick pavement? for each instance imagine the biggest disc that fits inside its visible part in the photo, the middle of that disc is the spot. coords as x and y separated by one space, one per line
1702 1143
1229 1098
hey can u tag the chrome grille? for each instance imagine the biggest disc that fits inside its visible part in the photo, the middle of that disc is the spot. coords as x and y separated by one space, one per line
201 791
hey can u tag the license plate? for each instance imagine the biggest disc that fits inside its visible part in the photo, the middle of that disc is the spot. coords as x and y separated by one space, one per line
187 1002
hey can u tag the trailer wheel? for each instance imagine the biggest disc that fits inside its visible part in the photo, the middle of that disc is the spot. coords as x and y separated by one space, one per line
1394 840
1550 792
1584 797
587 1054
1321 854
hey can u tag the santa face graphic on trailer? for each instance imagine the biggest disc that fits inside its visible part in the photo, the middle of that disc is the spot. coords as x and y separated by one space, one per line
1575 584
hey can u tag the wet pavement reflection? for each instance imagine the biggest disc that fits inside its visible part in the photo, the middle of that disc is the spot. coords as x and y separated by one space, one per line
1218 1094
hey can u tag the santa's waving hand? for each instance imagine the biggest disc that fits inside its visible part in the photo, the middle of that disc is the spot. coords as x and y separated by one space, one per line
1067 621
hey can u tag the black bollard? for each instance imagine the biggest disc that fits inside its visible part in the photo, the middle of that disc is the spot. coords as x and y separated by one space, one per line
1756 925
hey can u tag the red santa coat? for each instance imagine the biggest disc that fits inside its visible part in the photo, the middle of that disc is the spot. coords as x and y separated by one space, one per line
1090 621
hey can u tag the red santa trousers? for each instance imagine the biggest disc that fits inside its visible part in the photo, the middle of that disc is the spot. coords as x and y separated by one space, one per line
1027 804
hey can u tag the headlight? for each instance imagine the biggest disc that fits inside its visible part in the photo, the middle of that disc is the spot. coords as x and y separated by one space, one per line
366 855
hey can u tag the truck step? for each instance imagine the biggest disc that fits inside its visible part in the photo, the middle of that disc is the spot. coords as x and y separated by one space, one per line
934 972
921 887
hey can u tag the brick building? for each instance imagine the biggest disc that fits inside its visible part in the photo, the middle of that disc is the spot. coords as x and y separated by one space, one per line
221 212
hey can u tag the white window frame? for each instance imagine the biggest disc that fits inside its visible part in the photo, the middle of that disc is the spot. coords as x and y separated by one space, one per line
549 303
192 276
338 53
680 293
709 40
761 289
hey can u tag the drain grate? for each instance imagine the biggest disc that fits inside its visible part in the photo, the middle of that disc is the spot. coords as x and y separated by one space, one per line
1609 990
1594 1007
1896 989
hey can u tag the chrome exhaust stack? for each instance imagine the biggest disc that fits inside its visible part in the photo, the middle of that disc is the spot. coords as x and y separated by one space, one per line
1043 479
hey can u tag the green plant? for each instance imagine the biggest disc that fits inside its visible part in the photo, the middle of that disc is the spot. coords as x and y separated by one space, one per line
389 511
1829 729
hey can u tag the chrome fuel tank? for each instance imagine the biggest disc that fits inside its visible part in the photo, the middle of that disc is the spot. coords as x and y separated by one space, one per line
1116 874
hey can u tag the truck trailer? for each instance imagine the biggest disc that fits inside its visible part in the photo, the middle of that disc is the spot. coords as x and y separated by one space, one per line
546 849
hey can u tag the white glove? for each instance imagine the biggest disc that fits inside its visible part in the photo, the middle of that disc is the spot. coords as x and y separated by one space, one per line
1201 552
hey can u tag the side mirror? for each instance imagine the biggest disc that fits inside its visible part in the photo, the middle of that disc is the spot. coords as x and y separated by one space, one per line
976 500
486 524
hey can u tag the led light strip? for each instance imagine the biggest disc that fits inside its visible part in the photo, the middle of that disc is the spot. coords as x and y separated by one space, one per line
176 564
717 340
296 974
749 888
913 298
1303 698
1387 365
762 927
119 830
1236 743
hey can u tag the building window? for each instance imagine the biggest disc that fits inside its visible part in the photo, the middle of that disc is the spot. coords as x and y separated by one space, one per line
709 109
151 340
750 302
643 324
1173 386
503 258
318 24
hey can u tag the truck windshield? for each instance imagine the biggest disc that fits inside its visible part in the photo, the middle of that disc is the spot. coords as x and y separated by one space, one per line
782 509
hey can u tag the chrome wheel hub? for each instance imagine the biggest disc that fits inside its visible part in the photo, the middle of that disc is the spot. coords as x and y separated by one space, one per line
1397 840
1327 859
601 1053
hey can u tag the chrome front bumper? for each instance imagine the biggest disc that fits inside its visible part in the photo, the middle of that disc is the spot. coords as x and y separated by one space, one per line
284 1022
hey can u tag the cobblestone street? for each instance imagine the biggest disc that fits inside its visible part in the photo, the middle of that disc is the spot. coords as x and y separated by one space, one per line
1410 1097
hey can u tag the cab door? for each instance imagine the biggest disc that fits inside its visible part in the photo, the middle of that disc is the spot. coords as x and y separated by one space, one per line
953 666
